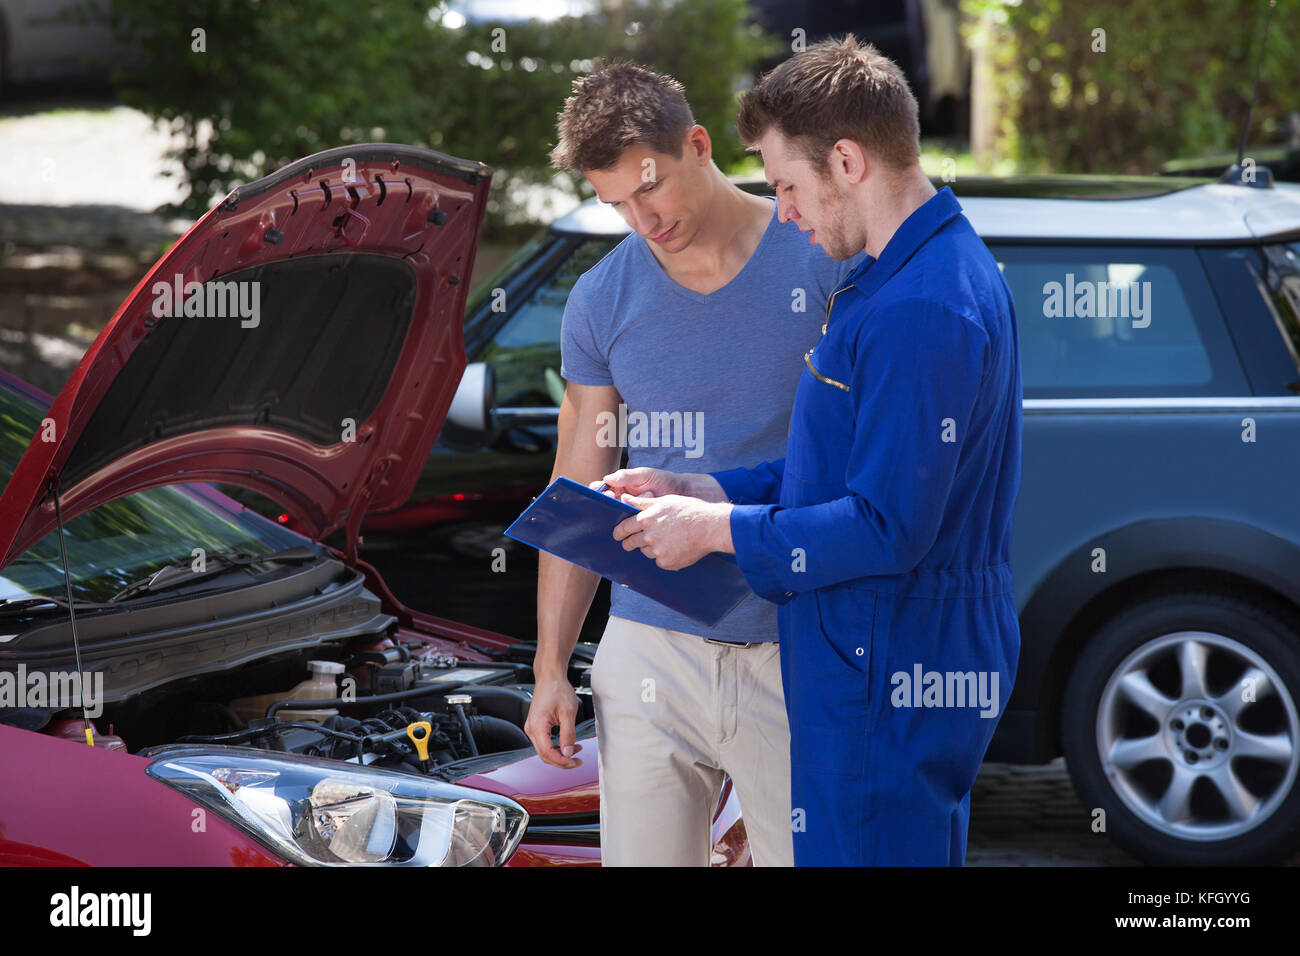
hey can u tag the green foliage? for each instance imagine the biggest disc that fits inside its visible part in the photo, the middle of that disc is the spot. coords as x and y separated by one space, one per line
276 81
1173 80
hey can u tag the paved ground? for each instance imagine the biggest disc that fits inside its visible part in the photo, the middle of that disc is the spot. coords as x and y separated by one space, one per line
83 150
1030 816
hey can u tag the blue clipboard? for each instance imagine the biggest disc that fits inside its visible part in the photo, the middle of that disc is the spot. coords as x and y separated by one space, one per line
576 523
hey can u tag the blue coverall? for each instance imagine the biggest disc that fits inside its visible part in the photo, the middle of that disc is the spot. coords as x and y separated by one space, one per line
884 536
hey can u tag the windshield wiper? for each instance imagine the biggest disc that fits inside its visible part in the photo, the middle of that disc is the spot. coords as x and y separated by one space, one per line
180 572
10 607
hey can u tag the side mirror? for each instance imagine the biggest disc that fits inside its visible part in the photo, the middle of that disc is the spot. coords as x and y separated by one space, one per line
476 396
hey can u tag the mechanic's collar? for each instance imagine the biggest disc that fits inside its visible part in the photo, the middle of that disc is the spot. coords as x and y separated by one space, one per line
927 219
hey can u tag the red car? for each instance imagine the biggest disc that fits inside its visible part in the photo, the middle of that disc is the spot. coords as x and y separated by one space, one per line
252 696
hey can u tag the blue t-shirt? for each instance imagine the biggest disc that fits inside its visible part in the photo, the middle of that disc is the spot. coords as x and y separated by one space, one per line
707 381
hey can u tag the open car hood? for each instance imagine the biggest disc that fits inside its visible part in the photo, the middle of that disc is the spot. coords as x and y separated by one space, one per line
313 359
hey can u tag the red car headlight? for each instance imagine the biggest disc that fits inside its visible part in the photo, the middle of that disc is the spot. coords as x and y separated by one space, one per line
324 813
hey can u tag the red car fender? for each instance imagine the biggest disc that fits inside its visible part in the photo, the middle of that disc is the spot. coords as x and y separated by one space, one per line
65 804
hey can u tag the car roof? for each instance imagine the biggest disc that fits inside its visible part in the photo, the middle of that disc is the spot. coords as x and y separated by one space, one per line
1138 209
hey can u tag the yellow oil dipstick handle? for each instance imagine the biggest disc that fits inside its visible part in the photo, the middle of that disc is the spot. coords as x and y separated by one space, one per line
421 740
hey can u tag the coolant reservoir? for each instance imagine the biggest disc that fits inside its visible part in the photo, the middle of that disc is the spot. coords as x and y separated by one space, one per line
322 685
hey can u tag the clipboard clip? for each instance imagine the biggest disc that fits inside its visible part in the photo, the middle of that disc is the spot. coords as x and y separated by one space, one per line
605 487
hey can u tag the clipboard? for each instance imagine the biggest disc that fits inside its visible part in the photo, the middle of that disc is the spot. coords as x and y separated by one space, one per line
576 523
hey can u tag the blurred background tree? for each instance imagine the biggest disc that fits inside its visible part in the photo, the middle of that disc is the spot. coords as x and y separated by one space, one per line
1055 86
265 83
1120 87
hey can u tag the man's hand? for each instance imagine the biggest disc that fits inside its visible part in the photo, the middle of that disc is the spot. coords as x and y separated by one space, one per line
554 704
655 483
676 531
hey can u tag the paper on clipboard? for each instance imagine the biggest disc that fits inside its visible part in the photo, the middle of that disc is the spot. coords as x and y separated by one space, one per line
576 523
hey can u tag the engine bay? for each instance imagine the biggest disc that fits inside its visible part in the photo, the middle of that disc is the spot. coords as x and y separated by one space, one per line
393 703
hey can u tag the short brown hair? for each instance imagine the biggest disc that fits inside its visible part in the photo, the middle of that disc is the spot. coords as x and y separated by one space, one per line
617 106
833 90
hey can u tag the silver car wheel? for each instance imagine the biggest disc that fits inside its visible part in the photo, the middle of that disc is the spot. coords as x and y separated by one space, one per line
1215 761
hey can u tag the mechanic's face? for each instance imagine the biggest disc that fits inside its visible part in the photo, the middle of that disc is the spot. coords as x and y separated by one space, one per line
658 196
818 206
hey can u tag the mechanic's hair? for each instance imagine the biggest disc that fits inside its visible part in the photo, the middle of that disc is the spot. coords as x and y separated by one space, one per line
833 90
617 106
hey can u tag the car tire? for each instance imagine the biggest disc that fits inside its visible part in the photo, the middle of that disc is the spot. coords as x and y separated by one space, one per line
1196 772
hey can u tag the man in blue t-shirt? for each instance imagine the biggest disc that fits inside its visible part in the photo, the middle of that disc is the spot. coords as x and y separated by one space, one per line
682 345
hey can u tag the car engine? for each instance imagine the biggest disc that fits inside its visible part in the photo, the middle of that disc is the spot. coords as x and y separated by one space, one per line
394 705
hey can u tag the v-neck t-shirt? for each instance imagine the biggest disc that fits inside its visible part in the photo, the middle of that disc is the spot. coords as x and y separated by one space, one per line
707 380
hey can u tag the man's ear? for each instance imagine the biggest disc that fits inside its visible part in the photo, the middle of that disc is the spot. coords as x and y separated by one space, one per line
697 145
850 161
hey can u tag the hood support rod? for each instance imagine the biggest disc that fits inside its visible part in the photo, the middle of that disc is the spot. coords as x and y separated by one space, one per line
72 611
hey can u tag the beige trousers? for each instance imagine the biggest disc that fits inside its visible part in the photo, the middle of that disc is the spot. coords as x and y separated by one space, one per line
675 715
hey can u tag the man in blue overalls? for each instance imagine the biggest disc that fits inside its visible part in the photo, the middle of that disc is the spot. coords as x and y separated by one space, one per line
884 533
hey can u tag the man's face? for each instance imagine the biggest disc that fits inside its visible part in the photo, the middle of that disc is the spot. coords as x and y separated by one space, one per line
658 196
818 206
